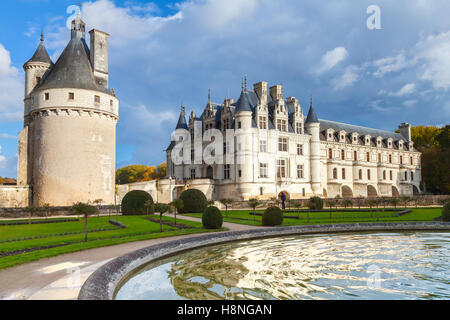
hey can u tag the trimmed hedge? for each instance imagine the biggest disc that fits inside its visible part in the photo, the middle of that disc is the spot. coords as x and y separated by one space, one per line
194 201
212 218
446 211
273 216
134 202
315 203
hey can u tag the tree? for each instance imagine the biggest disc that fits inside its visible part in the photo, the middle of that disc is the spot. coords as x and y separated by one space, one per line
253 203
148 205
331 204
347 203
405 200
85 210
177 204
97 203
226 202
31 210
394 202
161 208
46 209
275 201
359 201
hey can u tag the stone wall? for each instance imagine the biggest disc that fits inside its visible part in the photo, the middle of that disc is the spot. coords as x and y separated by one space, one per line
14 196
53 211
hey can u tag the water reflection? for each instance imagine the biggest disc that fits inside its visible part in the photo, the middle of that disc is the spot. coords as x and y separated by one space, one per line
350 266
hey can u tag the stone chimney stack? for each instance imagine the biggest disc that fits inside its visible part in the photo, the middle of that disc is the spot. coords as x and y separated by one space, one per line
99 56
276 92
405 130
260 89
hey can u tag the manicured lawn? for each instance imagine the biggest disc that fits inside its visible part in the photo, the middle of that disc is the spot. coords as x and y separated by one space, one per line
138 228
420 214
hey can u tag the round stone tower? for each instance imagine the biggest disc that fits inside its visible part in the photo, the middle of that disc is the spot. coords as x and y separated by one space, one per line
312 125
70 124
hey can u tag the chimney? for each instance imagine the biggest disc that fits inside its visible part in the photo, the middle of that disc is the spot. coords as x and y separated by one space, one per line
99 56
276 92
405 130
260 89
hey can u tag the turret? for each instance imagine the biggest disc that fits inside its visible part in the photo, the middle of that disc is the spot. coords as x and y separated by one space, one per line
78 28
312 125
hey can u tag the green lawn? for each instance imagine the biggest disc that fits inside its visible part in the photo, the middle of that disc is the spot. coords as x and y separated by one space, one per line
420 214
138 228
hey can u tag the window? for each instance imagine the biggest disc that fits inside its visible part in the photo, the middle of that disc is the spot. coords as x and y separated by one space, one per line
226 171
263 170
226 124
303 192
355 155
390 158
298 127
390 175
111 103
97 99
368 174
262 123
192 173
360 174
368 157
46 96
330 153
384 175
412 176
239 125
281 125
343 173
299 149
262 146
37 80
334 173
411 160
281 168
71 96
300 171
379 157
401 159
192 154
282 144
240 173
342 154
261 191
406 175
224 148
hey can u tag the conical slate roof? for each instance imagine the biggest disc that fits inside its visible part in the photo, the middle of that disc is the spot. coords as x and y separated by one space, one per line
41 54
243 104
312 117
182 120
73 69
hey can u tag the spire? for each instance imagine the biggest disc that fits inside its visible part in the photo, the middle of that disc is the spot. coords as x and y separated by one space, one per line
243 104
312 117
245 82
209 95
41 54
78 26
182 119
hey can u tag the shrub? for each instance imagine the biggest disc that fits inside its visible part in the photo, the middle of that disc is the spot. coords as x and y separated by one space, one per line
134 202
446 212
315 203
212 218
194 201
273 216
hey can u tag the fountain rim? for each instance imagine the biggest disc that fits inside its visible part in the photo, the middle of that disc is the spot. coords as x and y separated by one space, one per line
106 280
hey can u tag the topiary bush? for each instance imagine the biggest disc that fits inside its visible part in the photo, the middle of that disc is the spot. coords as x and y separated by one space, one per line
194 201
315 203
134 202
212 218
446 211
273 216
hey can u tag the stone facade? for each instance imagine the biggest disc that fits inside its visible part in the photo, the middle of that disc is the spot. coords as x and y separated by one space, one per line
276 150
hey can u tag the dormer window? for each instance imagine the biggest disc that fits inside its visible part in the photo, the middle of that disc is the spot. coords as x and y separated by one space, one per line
342 136
389 143
354 138
262 123
400 144
46 96
367 140
330 134
379 142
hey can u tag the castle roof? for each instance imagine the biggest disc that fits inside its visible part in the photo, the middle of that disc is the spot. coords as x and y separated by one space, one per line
182 120
243 104
72 70
312 117
41 54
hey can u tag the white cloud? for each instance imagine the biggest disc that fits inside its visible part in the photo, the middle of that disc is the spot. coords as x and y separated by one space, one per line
348 78
435 51
7 136
391 64
2 159
376 105
410 103
405 90
11 87
332 58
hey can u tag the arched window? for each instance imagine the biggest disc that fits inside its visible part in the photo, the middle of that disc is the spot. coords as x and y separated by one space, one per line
360 174
355 155
343 173
401 159
411 160
379 157
342 154
368 174
390 175
334 173
368 156
406 175
384 175
412 176
330 153
390 158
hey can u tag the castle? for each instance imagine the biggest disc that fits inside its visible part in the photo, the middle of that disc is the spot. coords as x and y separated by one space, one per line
67 147
281 151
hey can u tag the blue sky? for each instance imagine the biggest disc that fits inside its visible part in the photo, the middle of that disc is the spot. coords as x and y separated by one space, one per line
165 52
